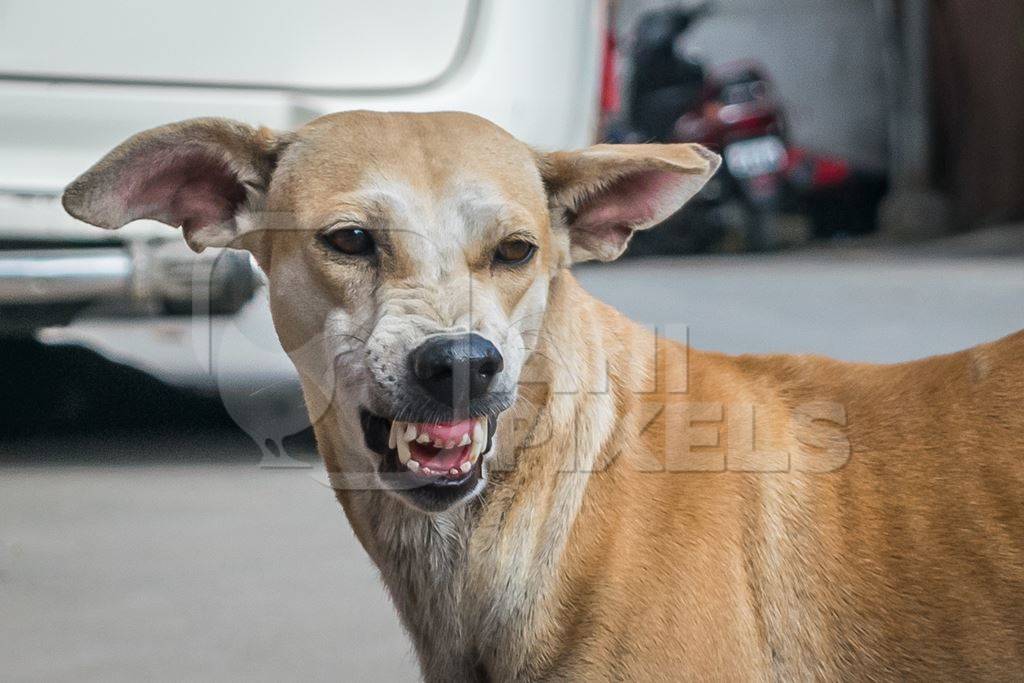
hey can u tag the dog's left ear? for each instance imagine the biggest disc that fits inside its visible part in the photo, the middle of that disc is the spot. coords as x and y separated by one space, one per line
200 174
603 194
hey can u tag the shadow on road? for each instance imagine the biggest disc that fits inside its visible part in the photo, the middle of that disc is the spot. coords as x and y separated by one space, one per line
69 405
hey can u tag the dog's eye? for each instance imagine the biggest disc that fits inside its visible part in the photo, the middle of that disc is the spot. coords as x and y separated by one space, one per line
514 252
351 241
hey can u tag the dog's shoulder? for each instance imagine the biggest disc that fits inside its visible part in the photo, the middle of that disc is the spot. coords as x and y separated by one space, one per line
1001 360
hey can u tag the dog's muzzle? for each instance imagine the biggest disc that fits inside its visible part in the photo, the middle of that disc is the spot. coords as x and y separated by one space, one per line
433 440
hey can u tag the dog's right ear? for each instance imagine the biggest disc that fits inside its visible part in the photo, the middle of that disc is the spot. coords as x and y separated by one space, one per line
603 194
200 174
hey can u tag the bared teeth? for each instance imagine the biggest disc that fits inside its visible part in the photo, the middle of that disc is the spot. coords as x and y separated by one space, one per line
480 431
393 436
404 456
479 439
404 434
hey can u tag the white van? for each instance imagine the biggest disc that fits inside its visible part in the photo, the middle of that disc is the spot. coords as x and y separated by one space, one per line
77 77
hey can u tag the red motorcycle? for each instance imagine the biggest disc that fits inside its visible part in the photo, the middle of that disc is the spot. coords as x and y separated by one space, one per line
767 187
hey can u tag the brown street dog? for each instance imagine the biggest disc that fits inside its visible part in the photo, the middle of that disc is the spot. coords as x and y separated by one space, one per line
551 491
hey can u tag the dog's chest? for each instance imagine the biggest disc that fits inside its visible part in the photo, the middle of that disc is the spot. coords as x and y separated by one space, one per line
468 606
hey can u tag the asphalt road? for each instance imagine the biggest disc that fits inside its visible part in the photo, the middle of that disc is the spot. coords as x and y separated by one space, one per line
160 550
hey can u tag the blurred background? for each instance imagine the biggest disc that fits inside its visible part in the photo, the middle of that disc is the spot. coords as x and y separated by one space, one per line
162 510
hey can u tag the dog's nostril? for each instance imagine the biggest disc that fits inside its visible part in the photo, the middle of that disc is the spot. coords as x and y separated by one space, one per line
456 369
490 367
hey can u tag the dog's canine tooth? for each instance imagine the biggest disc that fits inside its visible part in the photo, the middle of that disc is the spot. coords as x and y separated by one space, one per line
410 432
423 438
403 451
480 431
466 466
396 428
466 440
413 466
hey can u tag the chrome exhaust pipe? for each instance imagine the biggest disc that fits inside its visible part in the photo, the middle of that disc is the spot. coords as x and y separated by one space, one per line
52 276
139 278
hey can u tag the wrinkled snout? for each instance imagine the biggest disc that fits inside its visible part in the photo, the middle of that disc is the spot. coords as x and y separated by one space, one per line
456 370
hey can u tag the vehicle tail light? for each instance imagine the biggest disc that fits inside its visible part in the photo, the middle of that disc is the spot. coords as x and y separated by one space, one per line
814 171
610 92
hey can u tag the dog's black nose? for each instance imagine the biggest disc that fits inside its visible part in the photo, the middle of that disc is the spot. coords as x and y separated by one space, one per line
454 370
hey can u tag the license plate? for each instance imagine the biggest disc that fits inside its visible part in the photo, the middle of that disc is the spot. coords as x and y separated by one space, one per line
755 157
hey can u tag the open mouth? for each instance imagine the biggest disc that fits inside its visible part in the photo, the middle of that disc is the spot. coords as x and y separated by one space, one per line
448 449
434 464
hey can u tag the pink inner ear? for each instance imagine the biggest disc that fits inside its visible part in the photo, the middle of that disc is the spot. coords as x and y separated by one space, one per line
190 187
633 200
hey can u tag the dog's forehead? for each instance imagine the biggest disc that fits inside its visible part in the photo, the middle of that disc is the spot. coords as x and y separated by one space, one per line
432 158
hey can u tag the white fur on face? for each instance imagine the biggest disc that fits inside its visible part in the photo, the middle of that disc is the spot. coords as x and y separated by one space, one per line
439 287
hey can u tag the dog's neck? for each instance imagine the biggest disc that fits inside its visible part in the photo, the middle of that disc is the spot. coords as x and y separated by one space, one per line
504 547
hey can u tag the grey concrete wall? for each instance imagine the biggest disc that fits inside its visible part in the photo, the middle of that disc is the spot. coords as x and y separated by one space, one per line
825 56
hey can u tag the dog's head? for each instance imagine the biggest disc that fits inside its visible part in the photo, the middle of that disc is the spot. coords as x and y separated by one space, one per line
408 256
